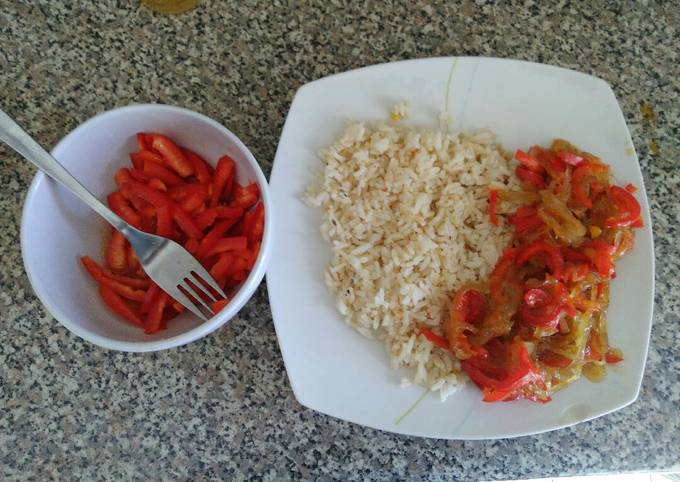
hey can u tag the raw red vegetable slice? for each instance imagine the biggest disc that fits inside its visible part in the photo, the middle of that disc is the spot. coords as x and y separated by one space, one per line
206 219
223 265
155 315
202 170
142 143
192 202
224 174
156 170
122 208
139 158
119 306
235 243
158 185
160 195
164 221
245 197
256 224
122 289
172 155
122 176
213 236
217 306
116 252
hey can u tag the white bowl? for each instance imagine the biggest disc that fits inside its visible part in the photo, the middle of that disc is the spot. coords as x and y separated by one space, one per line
57 229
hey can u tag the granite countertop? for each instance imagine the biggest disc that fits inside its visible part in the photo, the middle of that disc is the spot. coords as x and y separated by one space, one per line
222 407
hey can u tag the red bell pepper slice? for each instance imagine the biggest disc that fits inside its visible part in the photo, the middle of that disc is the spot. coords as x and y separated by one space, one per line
225 212
96 271
549 253
210 239
185 223
118 305
139 158
150 295
234 243
471 306
588 179
626 206
237 270
202 170
156 170
573 255
139 175
550 162
507 369
159 199
172 155
148 194
570 158
155 315
116 252
206 218
491 396
245 197
122 208
525 218
529 162
600 254
224 174
530 177
122 176
164 221
191 245
612 357
256 224
493 201
217 306
575 271
543 306
123 290
222 266
99 272
500 272
178 193
193 202
158 185
141 141
435 339
554 360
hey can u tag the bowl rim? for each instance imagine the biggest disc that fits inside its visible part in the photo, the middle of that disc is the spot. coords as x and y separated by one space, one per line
242 296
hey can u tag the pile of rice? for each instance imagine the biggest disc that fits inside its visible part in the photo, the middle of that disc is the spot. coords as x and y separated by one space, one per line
405 211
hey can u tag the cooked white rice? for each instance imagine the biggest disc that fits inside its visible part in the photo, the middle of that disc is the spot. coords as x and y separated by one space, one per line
405 211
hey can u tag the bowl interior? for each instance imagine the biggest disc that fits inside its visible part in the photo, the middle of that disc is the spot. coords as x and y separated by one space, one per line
57 228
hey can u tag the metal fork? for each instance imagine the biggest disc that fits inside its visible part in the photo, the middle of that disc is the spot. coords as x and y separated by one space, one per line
167 263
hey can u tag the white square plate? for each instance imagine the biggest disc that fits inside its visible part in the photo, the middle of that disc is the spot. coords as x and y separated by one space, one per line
332 368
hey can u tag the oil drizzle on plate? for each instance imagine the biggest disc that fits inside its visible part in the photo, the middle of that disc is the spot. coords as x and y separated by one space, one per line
444 117
412 407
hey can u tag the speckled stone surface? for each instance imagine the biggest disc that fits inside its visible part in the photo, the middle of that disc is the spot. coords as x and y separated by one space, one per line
222 408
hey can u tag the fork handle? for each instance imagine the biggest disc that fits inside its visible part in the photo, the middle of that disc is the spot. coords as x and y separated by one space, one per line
14 136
